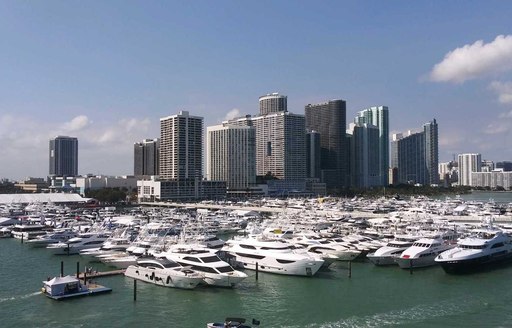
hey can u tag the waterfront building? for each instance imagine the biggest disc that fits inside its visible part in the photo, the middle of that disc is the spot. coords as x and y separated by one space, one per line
313 155
86 183
273 103
184 189
448 173
329 120
231 156
64 156
378 116
468 163
35 185
505 165
146 157
493 180
416 155
181 146
364 156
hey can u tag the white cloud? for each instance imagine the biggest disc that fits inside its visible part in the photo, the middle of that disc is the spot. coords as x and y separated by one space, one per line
76 124
475 60
234 113
504 91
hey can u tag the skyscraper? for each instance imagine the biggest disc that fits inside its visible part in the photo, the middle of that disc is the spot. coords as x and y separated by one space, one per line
313 155
365 166
416 155
231 156
272 103
378 117
64 156
181 145
146 157
329 120
468 163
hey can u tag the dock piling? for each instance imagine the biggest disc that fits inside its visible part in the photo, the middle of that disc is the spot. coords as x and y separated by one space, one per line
77 270
134 290
410 266
257 269
62 268
350 269
22 234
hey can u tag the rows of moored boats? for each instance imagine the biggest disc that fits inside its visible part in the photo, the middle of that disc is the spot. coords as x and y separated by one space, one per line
176 248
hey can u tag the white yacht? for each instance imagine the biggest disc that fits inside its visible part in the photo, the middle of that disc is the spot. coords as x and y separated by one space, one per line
386 255
423 252
484 248
82 241
327 248
58 235
5 232
216 272
163 272
275 256
28 231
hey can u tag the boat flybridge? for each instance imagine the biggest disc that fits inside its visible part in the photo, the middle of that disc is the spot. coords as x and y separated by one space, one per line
274 256
485 248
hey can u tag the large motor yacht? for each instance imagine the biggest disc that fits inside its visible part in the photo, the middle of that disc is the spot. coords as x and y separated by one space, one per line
423 252
275 256
216 272
486 247
58 235
82 241
163 272
386 255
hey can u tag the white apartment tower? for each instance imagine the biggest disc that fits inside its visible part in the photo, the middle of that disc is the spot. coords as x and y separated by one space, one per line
231 155
181 146
468 163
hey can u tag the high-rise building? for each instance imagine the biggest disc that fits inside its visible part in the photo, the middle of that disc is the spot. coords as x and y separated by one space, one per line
378 117
329 120
64 156
313 155
430 131
231 156
505 165
416 156
181 145
146 157
487 165
273 103
280 145
364 155
468 163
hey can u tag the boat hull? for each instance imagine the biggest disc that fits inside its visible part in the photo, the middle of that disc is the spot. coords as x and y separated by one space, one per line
482 263
163 278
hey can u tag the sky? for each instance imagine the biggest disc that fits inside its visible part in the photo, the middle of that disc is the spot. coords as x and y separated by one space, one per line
107 71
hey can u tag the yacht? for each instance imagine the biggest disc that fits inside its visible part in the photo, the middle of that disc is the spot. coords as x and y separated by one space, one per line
58 235
484 248
386 255
275 256
423 252
28 231
163 272
82 241
5 232
216 272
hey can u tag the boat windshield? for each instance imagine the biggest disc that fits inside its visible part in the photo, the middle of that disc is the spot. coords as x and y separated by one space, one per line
170 264
472 246
225 269
210 259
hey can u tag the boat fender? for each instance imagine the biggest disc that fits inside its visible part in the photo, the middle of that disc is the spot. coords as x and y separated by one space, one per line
168 279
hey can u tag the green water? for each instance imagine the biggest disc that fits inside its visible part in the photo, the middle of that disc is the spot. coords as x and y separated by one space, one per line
372 297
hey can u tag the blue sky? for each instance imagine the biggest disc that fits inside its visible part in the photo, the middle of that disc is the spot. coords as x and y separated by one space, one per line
106 71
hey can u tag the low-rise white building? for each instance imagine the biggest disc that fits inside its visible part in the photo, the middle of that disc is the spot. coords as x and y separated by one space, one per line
99 182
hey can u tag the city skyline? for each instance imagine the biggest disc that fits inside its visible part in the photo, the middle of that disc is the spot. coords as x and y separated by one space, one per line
107 73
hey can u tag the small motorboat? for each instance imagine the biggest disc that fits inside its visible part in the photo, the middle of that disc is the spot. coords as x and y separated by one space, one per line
232 323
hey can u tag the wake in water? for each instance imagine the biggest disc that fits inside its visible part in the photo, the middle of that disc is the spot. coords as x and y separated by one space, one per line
408 316
14 298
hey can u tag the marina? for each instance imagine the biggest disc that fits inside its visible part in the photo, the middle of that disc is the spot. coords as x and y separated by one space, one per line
367 295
